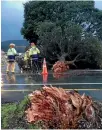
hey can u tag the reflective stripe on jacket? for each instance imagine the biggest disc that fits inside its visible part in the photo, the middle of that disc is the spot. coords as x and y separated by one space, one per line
33 51
11 51
34 57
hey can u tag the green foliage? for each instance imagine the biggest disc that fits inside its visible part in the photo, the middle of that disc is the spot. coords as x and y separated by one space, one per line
72 27
55 42
12 116
60 12
91 50
7 112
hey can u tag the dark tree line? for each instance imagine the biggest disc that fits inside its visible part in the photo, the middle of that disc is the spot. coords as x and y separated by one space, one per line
65 30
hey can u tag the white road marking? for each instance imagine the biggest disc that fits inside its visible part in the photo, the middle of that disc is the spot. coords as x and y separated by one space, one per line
55 84
23 90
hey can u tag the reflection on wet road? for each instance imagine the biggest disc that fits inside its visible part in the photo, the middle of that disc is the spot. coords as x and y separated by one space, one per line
85 80
16 86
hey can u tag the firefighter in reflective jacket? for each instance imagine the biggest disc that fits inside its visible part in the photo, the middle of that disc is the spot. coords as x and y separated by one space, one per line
34 53
11 58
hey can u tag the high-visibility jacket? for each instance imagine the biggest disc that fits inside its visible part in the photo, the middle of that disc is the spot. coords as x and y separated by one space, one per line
11 51
26 56
34 51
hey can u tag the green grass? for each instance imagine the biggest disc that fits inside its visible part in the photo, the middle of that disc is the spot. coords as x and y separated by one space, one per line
12 116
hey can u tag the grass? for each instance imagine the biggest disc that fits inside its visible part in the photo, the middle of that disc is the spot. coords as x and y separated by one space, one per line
13 117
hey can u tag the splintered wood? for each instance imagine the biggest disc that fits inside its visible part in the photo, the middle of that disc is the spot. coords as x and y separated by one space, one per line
59 68
59 109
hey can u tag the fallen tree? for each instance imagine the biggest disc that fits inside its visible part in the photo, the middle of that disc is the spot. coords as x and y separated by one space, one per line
59 109
13 114
62 65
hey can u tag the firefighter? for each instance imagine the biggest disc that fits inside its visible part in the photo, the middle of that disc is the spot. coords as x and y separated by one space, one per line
34 53
11 53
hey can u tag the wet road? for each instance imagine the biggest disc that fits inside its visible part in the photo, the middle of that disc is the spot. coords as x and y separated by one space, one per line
16 86
71 79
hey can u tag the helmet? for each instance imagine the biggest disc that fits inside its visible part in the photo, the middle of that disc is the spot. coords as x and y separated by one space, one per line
12 45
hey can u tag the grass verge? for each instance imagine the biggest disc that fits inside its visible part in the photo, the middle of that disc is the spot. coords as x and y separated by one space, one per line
12 116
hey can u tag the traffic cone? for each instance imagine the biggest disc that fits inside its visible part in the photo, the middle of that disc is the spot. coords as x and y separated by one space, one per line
45 77
44 67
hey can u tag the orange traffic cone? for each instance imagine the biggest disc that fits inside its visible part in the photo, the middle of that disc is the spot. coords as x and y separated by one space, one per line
45 77
44 67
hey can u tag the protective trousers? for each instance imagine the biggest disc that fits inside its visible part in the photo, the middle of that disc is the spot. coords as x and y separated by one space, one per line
11 66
